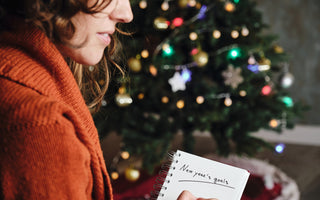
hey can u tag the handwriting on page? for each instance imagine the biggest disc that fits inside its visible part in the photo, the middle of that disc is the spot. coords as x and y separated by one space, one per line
205 177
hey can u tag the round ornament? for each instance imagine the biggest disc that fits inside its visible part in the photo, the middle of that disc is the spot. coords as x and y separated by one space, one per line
265 61
134 64
286 80
160 23
132 174
278 49
183 3
123 100
201 58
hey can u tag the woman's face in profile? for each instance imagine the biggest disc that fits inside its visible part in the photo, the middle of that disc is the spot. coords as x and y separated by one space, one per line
93 31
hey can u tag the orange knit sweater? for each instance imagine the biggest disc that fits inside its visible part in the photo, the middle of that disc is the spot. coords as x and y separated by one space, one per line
49 146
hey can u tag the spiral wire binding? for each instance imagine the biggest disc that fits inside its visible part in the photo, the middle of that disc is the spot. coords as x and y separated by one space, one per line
161 181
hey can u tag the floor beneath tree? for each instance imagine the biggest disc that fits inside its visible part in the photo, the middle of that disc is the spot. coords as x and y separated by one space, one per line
301 163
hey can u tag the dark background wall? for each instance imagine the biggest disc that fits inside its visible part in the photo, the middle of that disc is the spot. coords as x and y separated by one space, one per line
297 23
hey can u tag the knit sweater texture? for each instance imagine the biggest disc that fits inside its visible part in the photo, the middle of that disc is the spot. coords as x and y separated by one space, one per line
49 145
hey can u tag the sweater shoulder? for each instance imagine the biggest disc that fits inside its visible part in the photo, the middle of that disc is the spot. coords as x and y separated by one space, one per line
26 107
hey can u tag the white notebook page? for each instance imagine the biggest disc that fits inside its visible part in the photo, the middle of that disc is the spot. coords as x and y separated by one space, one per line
203 178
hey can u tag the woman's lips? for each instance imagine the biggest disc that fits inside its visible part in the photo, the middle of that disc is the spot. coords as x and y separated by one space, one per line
104 37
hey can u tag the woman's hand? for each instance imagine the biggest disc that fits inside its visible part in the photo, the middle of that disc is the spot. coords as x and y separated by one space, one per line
186 195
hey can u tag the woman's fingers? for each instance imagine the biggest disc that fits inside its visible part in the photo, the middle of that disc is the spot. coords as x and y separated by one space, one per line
186 195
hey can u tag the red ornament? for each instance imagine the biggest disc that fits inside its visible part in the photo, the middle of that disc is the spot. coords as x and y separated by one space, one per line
178 21
266 90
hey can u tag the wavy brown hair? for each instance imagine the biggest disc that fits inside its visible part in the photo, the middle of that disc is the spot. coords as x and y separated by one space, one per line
53 17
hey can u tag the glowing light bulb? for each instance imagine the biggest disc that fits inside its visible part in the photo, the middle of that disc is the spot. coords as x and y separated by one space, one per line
167 50
279 148
164 99
178 21
192 3
140 96
165 6
143 4
234 34
153 70
228 101
186 75
266 90
125 155
194 51
229 7
216 34
193 36
200 100
180 104
114 175
145 53
245 31
234 53
273 123
243 93
287 101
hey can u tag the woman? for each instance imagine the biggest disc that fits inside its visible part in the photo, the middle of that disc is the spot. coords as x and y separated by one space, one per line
49 146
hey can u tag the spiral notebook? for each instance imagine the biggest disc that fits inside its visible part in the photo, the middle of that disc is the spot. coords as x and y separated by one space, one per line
202 177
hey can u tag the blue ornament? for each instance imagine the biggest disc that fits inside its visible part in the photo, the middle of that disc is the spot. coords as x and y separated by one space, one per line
202 12
254 68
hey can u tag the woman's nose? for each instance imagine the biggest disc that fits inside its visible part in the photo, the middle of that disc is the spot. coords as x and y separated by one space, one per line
122 12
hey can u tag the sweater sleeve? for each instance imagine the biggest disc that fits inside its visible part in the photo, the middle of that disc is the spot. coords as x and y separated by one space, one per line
44 161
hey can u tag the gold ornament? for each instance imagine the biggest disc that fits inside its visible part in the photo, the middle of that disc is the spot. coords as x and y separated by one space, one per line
132 174
278 49
265 61
183 3
201 58
123 100
134 64
160 23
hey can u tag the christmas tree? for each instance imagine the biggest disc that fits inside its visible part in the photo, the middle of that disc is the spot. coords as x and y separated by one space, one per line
198 65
